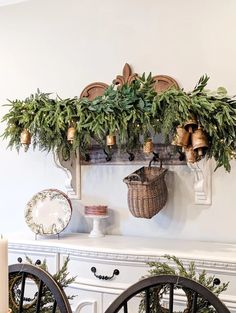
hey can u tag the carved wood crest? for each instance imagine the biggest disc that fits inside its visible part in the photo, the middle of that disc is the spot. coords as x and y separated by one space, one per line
162 82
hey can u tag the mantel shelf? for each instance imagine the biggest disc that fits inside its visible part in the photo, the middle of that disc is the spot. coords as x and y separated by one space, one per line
111 156
202 171
167 153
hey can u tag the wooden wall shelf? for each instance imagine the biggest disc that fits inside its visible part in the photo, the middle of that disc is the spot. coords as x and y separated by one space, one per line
167 153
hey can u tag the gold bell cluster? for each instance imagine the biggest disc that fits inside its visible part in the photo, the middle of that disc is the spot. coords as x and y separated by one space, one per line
193 140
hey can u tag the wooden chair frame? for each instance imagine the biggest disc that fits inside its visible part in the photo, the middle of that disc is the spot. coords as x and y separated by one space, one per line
172 280
45 279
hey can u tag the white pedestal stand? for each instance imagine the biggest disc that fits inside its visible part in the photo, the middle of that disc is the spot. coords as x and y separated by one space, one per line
96 231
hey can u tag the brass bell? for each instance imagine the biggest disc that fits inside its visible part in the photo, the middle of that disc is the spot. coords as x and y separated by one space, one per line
199 141
71 133
25 137
182 137
190 154
148 146
191 124
111 140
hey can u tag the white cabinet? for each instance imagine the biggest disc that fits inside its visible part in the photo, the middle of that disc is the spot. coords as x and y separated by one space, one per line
51 258
111 274
96 290
129 256
85 301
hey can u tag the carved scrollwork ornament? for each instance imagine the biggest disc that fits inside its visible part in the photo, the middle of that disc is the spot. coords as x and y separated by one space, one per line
127 76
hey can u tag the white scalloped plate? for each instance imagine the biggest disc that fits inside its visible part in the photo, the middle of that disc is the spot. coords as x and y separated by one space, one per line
48 212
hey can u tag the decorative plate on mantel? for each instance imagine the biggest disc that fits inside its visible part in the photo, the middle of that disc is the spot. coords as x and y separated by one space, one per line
48 212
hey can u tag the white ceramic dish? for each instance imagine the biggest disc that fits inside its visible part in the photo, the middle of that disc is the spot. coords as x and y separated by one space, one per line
48 212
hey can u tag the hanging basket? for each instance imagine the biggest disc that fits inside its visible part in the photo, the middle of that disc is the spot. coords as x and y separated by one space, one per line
147 191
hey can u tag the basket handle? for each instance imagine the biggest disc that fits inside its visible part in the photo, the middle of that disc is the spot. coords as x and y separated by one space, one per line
134 175
155 160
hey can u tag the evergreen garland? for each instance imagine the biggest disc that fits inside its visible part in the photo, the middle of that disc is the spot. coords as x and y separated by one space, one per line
133 111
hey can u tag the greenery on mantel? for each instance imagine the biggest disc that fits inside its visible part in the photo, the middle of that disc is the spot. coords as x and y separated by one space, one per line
133 112
174 266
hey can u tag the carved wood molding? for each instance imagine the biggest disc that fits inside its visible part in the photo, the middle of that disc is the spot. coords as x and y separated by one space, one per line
92 304
127 76
213 265
93 90
71 168
162 82
202 181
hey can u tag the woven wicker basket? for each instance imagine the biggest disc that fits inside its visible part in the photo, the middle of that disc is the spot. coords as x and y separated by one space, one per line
147 191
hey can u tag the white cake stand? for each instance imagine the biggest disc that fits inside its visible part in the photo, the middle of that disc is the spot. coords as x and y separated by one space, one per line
96 231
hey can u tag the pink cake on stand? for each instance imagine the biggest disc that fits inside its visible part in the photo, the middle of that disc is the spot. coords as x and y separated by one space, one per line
96 212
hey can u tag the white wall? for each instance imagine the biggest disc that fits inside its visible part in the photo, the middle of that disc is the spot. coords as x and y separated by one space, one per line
61 46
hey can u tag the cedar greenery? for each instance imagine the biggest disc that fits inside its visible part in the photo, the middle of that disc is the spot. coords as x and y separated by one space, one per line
133 112
176 267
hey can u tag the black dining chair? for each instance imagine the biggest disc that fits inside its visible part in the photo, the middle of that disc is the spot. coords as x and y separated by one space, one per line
199 298
32 289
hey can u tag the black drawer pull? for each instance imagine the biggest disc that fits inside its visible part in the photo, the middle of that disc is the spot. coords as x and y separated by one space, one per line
94 270
37 262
